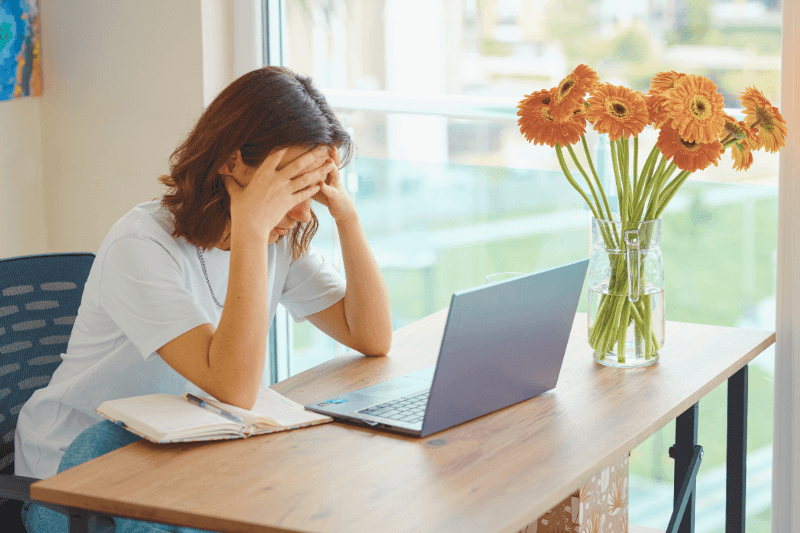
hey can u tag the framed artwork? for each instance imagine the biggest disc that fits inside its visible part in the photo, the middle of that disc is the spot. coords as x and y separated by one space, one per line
20 49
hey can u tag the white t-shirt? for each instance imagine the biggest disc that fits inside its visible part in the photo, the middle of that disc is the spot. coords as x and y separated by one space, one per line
144 289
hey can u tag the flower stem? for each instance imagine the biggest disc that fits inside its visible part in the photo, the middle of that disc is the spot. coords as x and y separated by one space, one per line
571 181
623 330
647 174
626 185
597 179
651 181
653 203
620 192
668 195
585 177
635 161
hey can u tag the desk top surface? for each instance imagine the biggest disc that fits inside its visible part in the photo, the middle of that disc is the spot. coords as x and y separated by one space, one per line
496 473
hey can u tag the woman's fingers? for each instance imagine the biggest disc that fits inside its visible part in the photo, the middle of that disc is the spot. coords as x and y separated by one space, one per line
315 164
304 194
274 158
334 174
337 158
314 176
298 165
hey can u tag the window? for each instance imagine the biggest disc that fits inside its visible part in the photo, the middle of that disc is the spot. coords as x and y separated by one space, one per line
449 191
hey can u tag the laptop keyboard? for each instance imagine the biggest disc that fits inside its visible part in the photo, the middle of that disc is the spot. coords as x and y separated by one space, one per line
405 409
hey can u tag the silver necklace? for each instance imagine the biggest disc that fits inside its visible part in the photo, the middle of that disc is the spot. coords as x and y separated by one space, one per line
203 264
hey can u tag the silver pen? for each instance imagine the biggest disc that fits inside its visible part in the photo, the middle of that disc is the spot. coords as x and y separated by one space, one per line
213 408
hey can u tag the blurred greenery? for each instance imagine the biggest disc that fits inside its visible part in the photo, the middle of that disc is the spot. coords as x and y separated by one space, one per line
628 53
693 21
631 45
563 25
490 47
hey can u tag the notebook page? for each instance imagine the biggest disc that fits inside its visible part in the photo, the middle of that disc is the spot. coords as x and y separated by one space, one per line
273 409
165 413
284 411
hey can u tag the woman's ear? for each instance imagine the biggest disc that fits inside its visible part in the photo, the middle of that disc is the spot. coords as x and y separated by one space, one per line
229 166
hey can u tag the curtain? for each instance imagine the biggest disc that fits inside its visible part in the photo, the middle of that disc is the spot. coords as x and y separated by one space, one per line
786 437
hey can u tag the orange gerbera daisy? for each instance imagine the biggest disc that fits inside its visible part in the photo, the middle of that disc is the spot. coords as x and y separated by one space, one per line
618 111
571 90
742 158
538 126
695 108
742 152
731 129
664 81
657 108
759 112
687 155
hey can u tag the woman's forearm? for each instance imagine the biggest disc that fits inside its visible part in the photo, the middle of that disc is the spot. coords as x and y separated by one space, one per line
239 346
366 301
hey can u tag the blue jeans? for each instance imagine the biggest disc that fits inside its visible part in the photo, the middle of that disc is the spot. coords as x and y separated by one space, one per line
98 440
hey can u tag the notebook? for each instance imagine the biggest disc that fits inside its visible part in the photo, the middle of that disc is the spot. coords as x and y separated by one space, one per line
163 418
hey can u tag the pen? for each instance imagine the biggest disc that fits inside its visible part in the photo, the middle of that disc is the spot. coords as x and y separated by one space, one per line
205 405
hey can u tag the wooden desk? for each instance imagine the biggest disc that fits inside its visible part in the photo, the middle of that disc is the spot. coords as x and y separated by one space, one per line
494 474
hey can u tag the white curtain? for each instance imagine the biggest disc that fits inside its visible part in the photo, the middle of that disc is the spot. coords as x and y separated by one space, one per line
786 443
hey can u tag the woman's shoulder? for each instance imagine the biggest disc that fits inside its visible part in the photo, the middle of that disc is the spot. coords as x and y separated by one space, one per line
148 220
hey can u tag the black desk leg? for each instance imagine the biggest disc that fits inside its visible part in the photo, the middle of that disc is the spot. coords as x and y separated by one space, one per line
78 521
82 521
685 467
736 463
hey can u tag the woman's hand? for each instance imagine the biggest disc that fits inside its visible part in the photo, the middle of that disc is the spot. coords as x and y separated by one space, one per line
260 205
332 193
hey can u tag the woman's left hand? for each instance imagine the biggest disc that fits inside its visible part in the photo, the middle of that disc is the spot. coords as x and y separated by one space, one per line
333 195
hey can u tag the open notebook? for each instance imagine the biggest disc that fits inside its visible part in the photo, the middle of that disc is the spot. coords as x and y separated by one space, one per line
163 418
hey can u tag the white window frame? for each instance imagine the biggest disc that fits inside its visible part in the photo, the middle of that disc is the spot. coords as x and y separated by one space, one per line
252 50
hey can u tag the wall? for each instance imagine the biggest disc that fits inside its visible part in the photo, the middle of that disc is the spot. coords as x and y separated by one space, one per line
123 83
22 225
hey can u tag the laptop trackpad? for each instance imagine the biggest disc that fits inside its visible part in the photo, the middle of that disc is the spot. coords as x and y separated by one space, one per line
394 387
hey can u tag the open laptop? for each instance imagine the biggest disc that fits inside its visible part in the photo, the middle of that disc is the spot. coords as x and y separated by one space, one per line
503 343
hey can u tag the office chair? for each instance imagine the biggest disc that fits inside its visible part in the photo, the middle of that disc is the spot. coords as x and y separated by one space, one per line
39 300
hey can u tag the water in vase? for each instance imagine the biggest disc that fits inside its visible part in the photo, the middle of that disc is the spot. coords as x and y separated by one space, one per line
604 335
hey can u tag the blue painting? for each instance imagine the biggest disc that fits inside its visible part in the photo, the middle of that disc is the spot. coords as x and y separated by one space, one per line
20 49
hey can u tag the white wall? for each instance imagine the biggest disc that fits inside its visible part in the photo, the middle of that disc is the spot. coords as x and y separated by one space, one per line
22 226
218 46
123 83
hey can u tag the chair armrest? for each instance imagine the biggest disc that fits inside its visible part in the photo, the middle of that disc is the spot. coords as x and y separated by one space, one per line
16 487
19 488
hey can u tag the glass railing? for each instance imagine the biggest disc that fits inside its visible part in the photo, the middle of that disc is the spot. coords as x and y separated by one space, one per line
438 228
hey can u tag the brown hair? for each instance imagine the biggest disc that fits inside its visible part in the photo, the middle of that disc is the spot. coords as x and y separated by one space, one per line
267 108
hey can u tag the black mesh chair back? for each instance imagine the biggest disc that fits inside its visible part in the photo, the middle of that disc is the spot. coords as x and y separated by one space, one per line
39 300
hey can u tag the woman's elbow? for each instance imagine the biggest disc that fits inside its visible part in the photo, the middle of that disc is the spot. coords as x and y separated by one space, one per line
377 348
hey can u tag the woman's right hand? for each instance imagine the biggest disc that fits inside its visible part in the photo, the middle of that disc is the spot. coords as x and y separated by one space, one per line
262 203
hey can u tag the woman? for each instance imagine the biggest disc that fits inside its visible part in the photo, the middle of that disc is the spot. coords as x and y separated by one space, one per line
182 291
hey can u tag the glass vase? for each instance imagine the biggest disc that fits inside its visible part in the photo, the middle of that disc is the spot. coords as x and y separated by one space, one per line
626 292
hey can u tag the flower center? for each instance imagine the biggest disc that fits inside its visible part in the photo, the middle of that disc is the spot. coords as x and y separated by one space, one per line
691 146
700 107
546 114
734 129
566 87
617 109
764 118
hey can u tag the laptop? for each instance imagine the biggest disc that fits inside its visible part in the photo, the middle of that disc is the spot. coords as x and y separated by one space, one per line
503 343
